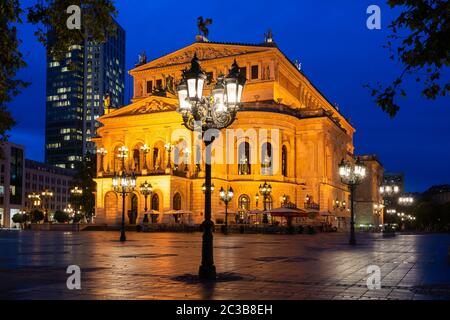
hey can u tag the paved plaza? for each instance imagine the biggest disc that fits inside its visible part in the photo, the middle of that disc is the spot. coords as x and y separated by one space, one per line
251 266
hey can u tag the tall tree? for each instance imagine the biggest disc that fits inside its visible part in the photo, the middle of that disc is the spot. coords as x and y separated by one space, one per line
419 40
48 15
11 60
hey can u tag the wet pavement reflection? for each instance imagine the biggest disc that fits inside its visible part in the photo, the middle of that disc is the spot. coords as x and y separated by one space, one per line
250 266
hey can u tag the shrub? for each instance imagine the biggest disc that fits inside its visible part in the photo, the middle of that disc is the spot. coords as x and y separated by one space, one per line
77 218
61 217
37 216
18 218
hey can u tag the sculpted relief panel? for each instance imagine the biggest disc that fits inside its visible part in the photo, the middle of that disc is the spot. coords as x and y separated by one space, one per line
202 54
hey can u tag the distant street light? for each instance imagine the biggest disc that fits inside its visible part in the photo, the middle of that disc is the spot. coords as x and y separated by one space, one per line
146 189
226 197
352 175
265 190
124 184
46 196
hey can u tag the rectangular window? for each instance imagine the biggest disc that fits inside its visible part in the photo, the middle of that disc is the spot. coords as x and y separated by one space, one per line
255 72
209 77
243 71
159 84
149 86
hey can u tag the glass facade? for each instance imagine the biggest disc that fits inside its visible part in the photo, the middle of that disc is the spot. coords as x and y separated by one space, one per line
76 86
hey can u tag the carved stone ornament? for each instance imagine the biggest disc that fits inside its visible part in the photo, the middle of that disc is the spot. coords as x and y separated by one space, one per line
202 54
153 106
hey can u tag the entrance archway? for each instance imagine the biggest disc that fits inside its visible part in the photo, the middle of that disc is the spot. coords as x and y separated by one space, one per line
133 212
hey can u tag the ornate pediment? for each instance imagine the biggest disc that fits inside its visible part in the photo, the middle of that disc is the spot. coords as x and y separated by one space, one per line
204 51
152 104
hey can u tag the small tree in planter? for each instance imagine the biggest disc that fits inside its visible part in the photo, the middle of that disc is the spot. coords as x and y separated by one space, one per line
61 217
37 216
19 218
77 218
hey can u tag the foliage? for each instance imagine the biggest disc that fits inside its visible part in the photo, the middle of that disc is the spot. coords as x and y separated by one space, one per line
423 52
433 217
19 218
96 21
37 216
77 218
61 216
11 61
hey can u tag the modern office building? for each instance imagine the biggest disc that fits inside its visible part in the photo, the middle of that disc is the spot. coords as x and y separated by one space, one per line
12 191
76 88
40 177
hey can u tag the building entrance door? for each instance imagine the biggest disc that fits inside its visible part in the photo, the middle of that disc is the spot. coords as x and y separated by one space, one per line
133 212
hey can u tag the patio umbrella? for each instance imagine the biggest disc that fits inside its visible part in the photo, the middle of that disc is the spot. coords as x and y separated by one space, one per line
288 212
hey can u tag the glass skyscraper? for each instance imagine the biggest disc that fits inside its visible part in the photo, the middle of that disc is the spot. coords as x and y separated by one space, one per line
75 89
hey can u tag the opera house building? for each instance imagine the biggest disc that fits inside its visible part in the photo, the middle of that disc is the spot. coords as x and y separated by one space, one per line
286 134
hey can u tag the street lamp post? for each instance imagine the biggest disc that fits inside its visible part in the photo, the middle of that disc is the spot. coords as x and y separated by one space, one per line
46 196
102 152
123 154
226 196
352 175
265 190
145 149
35 200
200 113
124 184
169 147
146 189
77 193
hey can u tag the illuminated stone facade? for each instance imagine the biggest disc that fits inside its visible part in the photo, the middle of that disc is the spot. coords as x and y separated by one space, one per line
308 138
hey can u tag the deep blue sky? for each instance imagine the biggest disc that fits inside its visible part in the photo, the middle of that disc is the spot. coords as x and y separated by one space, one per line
338 54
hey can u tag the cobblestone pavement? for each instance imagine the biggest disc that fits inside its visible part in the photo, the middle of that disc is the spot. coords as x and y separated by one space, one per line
161 266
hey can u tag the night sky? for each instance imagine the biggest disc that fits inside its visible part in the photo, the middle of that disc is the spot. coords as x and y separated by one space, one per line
338 54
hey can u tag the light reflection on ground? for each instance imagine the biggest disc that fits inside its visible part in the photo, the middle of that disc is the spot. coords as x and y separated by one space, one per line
160 265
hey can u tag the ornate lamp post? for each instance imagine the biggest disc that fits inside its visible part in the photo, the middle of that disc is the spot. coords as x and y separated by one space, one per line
102 152
124 184
46 196
204 188
123 154
77 193
226 197
284 200
352 175
35 200
200 113
146 189
265 191
169 148
145 149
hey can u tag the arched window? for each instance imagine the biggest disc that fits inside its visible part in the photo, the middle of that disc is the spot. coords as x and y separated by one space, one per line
268 203
266 159
284 161
137 159
244 202
177 201
155 202
244 166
